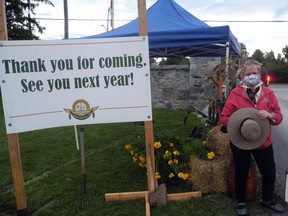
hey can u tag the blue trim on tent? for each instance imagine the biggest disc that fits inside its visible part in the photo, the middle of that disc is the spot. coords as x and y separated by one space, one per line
173 31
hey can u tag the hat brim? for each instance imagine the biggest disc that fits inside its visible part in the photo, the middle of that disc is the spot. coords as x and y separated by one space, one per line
235 122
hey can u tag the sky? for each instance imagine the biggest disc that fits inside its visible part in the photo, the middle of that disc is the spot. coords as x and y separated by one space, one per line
89 17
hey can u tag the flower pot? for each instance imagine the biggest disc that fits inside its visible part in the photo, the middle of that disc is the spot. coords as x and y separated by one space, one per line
252 181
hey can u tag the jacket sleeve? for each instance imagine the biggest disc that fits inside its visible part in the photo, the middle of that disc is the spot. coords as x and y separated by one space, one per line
275 108
228 109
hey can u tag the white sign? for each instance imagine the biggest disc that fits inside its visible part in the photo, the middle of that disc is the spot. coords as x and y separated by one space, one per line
47 84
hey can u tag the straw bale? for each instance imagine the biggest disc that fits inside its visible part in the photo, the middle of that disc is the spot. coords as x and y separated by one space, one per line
208 176
218 141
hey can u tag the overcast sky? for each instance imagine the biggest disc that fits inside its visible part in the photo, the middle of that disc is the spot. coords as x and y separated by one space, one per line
88 17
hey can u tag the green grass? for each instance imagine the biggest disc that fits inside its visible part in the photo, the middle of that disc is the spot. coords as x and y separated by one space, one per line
52 172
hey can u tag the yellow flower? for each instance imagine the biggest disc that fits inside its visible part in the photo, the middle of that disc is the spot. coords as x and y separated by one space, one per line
131 152
171 175
204 142
175 161
157 175
176 153
183 176
134 159
210 155
167 154
142 159
141 165
170 162
171 144
157 145
128 146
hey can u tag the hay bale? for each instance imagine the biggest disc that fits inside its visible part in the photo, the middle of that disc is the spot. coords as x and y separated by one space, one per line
208 176
218 141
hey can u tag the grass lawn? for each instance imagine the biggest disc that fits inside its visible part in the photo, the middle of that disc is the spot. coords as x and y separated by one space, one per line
52 172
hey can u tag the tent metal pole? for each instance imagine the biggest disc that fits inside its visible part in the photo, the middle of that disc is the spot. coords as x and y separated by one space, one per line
226 70
227 57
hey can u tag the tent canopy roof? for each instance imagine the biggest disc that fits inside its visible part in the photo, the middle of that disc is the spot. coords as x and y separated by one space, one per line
173 31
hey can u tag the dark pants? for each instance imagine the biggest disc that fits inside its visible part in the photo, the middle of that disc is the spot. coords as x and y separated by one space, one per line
265 161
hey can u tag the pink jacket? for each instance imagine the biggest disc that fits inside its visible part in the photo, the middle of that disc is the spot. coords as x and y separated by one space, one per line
267 100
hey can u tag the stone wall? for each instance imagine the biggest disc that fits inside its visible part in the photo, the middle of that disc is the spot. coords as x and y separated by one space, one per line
183 86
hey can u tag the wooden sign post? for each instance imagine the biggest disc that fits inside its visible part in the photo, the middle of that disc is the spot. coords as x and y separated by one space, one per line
16 166
3 25
13 142
149 135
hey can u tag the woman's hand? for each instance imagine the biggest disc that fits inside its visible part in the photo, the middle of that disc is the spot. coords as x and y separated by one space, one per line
264 114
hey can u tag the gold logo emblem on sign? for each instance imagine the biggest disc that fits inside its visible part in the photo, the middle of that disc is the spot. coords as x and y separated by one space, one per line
81 110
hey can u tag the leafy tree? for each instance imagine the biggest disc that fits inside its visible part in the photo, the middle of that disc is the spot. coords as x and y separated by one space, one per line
285 52
279 57
244 53
270 56
277 67
20 25
258 55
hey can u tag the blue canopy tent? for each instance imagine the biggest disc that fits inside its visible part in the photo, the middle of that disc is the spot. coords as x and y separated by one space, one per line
173 31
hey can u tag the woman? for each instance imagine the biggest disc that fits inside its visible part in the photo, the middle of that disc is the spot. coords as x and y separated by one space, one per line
251 93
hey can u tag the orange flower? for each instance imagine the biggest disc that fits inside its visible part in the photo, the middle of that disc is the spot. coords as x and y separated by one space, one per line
128 146
175 161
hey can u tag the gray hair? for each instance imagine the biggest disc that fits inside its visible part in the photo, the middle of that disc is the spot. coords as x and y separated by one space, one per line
247 64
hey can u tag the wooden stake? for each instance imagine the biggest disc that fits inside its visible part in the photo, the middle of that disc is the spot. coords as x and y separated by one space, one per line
184 196
149 135
3 24
15 159
150 157
142 18
125 195
142 194
13 142
147 205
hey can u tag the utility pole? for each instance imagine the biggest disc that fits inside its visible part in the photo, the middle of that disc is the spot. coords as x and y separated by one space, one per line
66 34
112 14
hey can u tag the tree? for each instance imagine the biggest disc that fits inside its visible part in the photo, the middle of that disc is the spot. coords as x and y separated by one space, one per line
270 56
285 52
277 67
20 25
244 53
258 55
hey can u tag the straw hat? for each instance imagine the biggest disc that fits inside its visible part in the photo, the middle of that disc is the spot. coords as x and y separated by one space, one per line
246 130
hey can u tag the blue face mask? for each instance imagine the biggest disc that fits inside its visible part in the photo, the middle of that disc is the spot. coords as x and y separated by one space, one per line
252 79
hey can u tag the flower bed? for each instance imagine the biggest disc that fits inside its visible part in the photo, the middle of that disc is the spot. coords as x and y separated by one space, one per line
170 157
202 161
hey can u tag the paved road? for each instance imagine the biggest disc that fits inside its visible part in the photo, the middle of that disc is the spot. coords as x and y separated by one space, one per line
280 139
